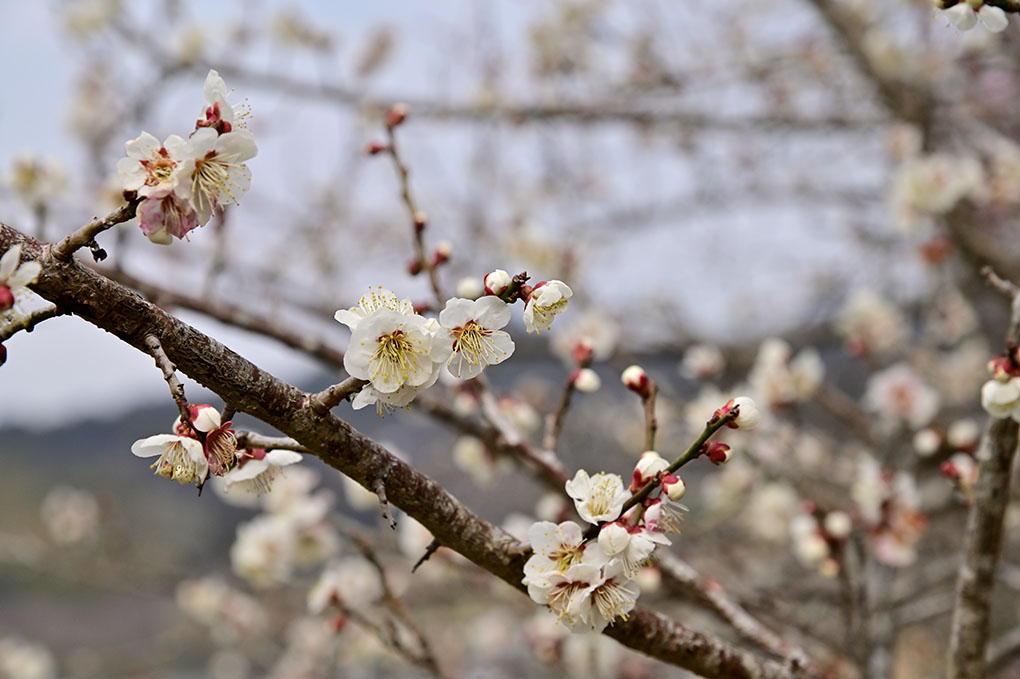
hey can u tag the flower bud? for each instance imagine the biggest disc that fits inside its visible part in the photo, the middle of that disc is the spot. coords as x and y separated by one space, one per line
414 266
613 538
204 418
674 487
647 468
441 254
747 416
1000 368
636 379
420 220
583 352
1000 399
469 288
927 442
837 524
3 354
718 452
6 298
587 380
397 114
496 282
373 148
963 434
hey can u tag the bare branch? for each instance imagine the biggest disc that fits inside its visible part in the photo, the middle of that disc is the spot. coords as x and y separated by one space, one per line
86 235
331 396
247 439
432 548
169 371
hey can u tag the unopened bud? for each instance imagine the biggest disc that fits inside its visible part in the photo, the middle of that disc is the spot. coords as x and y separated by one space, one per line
674 487
648 467
963 434
414 266
6 298
718 452
373 148
470 288
583 352
420 220
497 282
636 379
587 380
838 524
1000 368
927 442
613 538
747 413
441 255
397 114
3 354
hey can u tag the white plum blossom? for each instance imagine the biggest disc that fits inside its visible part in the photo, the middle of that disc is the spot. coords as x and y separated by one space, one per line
150 164
702 361
372 301
647 468
473 326
219 115
547 299
181 458
496 282
22 659
35 180
264 552
558 548
963 433
164 215
392 349
779 379
469 287
212 171
70 515
632 545
932 185
352 582
898 394
256 470
871 324
15 277
612 596
597 498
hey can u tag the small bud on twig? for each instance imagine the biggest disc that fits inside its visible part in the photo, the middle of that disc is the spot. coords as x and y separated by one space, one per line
397 115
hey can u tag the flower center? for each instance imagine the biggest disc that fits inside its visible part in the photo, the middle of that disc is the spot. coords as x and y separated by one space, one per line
159 169
474 342
566 557
612 600
391 356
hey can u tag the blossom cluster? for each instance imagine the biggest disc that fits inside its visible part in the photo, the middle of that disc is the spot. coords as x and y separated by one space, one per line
197 449
183 182
588 581
399 352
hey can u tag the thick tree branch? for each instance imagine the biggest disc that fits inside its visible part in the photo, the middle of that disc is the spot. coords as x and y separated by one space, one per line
123 313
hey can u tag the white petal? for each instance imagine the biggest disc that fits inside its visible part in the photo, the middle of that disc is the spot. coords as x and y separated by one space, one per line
25 275
152 446
962 16
993 18
249 470
142 148
9 262
491 312
239 145
282 458
214 88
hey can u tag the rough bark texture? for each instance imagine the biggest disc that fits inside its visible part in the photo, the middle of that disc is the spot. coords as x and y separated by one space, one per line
244 386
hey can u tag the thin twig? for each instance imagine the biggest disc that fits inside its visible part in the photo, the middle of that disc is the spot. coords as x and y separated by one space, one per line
651 424
331 396
432 548
417 217
247 439
554 421
169 371
87 234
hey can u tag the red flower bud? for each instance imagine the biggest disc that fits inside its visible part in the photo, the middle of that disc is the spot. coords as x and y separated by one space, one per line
375 147
6 298
396 115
